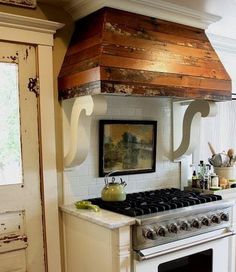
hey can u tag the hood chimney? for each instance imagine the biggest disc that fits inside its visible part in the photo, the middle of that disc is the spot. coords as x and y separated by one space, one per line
121 53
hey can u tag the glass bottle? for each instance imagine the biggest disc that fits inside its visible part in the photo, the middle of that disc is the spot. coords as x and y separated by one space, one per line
194 180
201 173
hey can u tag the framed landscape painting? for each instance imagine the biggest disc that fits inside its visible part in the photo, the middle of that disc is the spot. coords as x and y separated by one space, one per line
128 147
22 3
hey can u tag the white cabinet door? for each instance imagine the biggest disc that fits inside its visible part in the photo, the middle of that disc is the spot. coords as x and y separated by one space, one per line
21 231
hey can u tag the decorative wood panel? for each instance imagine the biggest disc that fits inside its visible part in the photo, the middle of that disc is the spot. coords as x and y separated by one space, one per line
126 53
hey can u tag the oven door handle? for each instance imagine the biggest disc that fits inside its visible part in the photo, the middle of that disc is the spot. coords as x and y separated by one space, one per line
141 256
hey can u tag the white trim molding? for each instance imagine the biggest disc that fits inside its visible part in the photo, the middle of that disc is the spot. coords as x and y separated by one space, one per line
20 3
155 8
29 23
26 29
48 157
222 43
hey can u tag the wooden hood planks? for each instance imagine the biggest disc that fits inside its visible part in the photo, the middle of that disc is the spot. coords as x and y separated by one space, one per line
118 52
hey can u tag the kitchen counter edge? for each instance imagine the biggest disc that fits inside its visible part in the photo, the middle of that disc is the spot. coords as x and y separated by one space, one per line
103 218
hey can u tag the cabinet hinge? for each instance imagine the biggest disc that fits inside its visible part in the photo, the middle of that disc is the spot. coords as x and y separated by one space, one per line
33 85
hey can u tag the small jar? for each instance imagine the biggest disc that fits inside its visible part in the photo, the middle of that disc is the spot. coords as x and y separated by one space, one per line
214 180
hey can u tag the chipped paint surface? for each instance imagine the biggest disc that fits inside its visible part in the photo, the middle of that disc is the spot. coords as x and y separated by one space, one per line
12 231
33 85
12 222
21 229
26 53
147 90
86 89
24 3
12 238
12 58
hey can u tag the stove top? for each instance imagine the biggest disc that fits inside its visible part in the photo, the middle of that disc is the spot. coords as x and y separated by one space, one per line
149 202
168 215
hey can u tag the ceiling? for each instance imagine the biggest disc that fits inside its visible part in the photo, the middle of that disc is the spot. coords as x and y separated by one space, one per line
223 8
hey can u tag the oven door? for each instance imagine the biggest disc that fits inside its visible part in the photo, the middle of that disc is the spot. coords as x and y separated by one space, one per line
205 254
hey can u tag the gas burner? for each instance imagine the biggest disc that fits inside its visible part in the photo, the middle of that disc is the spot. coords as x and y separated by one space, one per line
149 202
168 215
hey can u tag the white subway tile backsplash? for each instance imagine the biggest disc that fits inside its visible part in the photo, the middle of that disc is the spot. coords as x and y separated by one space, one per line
128 112
131 186
114 111
135 177
82 182
75 189
86 180
95 189
100 181
83 170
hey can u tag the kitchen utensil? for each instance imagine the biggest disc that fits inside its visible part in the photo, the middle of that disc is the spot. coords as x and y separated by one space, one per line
84 204
113 191
230 153
212 149
219 160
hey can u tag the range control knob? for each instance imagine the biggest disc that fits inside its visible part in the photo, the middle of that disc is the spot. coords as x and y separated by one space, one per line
161 231
196 223
149 233
184 225
206 221
215 219
173 228
224 216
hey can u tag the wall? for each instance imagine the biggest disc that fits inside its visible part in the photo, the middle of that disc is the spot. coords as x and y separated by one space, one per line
220 131
82 182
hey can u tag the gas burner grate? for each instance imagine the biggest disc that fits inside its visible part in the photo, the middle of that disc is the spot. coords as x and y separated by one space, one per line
148 202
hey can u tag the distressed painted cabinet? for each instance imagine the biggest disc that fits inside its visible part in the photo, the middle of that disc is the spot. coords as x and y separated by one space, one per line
96 242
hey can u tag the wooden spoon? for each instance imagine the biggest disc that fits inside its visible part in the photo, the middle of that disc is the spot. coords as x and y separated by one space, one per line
212 149
230 153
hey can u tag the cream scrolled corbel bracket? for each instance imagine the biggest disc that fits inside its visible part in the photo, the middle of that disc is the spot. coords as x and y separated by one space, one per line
77 116
191 126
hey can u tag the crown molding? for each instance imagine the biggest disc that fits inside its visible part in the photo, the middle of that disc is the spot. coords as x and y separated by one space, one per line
28 23
154 8
222 43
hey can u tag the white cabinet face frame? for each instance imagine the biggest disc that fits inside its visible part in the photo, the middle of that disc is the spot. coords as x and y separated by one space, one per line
39 33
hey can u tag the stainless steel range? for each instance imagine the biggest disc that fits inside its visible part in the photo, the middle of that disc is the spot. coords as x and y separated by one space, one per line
171 220
173 225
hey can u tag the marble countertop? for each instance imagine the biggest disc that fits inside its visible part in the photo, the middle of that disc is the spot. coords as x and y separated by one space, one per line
103 218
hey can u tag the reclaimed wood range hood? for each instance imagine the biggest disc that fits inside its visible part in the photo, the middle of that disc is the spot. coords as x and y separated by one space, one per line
118 52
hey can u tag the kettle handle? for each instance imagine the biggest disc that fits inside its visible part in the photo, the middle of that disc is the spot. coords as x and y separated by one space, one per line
122 182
